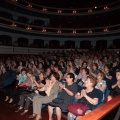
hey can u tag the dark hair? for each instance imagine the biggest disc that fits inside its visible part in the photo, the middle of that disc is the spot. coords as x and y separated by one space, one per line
83 63
86 70
118 70
56 65
24 69
108 66
44 74
29 71
56 75
41 63
71 76
102 74
93 80
96 65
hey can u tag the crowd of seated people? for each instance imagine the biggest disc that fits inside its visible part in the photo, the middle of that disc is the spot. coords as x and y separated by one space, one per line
72 75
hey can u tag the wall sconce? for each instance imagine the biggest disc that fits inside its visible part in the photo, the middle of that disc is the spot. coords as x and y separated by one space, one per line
106 30
59 31
28 28
43 30
90 11
29 6
14 25
74 32
74 11
59 11
89 31
106 8
44 9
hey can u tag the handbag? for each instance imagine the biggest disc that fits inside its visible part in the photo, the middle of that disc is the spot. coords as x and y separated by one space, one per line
42 93
77 109
22 86
58 101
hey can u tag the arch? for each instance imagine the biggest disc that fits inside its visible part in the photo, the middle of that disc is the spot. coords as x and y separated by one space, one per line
38 43
101 44
22 42
116 43
70 44
23 19
5 40
54 44
6 14
86 44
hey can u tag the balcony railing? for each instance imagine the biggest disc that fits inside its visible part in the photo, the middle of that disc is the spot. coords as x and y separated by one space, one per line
54 11
102 111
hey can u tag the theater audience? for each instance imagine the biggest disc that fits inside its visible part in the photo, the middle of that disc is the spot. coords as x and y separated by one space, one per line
73 62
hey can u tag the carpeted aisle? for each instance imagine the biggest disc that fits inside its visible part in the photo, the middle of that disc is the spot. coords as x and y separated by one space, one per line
7 111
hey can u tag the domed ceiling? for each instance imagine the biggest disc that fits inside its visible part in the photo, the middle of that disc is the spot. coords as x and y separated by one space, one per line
72 3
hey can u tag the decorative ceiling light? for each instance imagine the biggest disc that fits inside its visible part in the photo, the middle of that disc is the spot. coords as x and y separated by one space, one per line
44 9
90 11
74 11
28 28
89 31
74 32
14 25
106 7
106 29
43 30
29 6
59 11
59 31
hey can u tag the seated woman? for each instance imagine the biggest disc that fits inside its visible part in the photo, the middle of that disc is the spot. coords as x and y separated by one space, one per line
94 70
107 72
82 76
22 77
101 84
116 87
51 88
9 90
25 97
67 95
88 96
